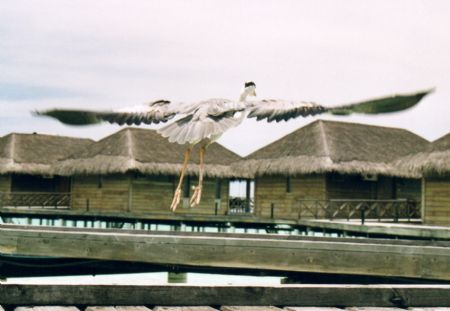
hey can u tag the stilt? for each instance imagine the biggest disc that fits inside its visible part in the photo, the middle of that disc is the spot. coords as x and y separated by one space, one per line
195 199
177 194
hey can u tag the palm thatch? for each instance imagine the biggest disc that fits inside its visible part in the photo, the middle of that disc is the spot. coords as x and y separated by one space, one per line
144 151
35 153
434 160
328 146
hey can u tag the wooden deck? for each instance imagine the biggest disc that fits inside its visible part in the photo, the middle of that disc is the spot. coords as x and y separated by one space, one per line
388 258
226 298
220 308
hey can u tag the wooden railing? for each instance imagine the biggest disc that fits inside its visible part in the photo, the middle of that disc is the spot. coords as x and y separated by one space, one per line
359 209
35 199
239 206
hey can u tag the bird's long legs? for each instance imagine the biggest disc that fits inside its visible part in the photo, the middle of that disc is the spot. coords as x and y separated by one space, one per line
197 195
177 194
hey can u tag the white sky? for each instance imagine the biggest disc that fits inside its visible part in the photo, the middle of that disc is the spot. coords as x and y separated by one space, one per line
109 54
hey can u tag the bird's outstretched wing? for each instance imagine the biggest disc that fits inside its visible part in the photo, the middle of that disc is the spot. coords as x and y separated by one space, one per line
278 110
152 113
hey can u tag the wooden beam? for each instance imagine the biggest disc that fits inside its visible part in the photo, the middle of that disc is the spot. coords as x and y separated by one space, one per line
183 295
318 256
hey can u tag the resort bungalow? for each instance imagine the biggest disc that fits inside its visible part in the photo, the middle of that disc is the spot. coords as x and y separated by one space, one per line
434 165
26 168
136 170
325 162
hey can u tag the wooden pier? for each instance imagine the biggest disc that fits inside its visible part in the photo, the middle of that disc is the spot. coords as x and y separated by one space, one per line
227 298
389 258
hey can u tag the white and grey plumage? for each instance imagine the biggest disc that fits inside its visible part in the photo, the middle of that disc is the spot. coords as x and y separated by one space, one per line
205 121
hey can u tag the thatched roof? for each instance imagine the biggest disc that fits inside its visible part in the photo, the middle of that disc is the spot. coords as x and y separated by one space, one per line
434 160
34 153
329 146
144 151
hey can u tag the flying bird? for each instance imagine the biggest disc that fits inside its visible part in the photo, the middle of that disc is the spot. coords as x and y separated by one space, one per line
205 121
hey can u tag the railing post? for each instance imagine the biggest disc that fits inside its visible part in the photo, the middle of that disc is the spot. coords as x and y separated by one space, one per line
216 208
378 212
348 211
396 216
329 210
272 212
362 209
408 210
87 205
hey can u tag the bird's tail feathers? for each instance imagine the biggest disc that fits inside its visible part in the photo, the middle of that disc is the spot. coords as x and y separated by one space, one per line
188 131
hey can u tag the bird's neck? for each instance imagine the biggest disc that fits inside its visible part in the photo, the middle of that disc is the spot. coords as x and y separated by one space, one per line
245 93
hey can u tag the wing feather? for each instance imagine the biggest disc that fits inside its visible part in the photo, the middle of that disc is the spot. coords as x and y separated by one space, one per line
279 110
152 113
387 104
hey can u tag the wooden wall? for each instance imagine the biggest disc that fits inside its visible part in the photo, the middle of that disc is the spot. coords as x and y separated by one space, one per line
5 183
207 204
350 187
140 194
383 188
437 200
273 189
100 193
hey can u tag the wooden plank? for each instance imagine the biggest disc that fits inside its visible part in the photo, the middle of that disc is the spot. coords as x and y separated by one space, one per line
191 308
97 308
233 235
311 309
249 308
184 295
405 230
430 309
431 262
46 308
132 308
372 309
117 308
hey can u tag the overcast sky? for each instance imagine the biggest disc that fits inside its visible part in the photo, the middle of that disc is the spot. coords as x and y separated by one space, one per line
109 54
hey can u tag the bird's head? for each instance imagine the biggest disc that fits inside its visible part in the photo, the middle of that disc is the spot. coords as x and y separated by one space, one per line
249 90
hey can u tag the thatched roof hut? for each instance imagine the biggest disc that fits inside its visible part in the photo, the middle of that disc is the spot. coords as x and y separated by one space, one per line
146 152
34 153
434 160
329 146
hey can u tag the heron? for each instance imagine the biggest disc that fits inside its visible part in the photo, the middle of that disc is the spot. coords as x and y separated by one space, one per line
203 122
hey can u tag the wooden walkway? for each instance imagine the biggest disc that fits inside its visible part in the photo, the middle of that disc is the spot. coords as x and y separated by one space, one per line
220 308
225 298
388 258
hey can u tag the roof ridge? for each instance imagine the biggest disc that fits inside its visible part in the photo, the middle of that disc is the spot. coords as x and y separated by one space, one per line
47 135
12 146
130 143
323 136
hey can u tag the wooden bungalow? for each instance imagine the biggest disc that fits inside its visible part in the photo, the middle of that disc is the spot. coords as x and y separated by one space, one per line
433 165
136 170
26 167
330 161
